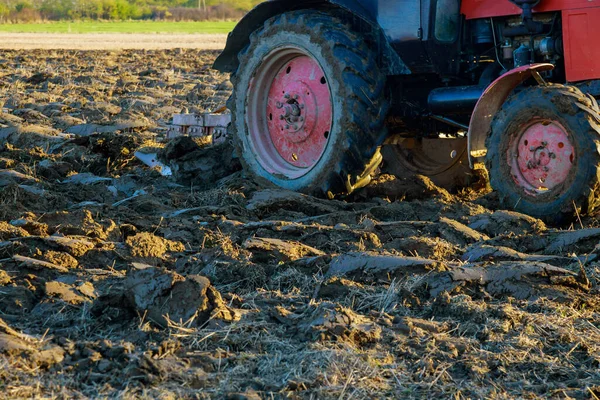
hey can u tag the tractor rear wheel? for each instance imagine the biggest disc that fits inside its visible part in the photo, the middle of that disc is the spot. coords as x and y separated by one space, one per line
543 153
308 105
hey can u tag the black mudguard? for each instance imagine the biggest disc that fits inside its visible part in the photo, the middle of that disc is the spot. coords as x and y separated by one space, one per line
239 38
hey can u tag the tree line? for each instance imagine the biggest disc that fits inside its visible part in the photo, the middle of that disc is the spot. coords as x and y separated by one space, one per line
39 10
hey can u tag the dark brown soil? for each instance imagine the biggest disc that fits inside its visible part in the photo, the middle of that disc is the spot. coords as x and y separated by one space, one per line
118 282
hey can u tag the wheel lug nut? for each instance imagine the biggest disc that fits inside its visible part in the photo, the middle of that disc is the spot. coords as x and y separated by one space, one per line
301 119
281 117
546 169
552 156
287 96
279 104
287 126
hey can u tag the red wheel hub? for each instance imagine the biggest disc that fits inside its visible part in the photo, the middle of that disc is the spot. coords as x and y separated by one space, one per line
289 113
541 157
299 112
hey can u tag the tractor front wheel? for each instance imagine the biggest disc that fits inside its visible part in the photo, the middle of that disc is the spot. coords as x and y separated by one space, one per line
308 105
543 153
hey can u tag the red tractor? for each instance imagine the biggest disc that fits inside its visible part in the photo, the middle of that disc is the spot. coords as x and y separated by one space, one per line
447 85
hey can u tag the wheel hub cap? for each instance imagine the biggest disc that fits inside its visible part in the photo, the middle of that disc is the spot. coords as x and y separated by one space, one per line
541 157
299 112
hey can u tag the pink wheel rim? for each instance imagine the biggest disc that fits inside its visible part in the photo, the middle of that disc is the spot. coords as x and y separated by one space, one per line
289 113
541 157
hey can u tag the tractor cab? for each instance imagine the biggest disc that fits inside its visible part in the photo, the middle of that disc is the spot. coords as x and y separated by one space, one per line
426 32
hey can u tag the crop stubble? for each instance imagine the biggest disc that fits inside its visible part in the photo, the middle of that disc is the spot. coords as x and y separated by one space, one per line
118 282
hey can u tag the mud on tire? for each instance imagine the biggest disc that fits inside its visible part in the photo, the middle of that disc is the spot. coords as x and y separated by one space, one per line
579 116
358 102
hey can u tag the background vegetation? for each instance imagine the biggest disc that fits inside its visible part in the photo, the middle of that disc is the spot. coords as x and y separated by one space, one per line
177 10
121 27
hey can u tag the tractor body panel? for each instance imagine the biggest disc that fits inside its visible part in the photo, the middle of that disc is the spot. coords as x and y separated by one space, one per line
581 29
475 9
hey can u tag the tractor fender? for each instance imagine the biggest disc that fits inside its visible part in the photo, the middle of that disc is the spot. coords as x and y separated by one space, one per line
490 103
239 38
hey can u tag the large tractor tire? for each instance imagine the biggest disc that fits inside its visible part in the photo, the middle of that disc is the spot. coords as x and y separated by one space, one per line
308 105
543 153
444 161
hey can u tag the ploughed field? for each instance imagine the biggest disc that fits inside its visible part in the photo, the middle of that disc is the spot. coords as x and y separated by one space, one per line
33 40
116 281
